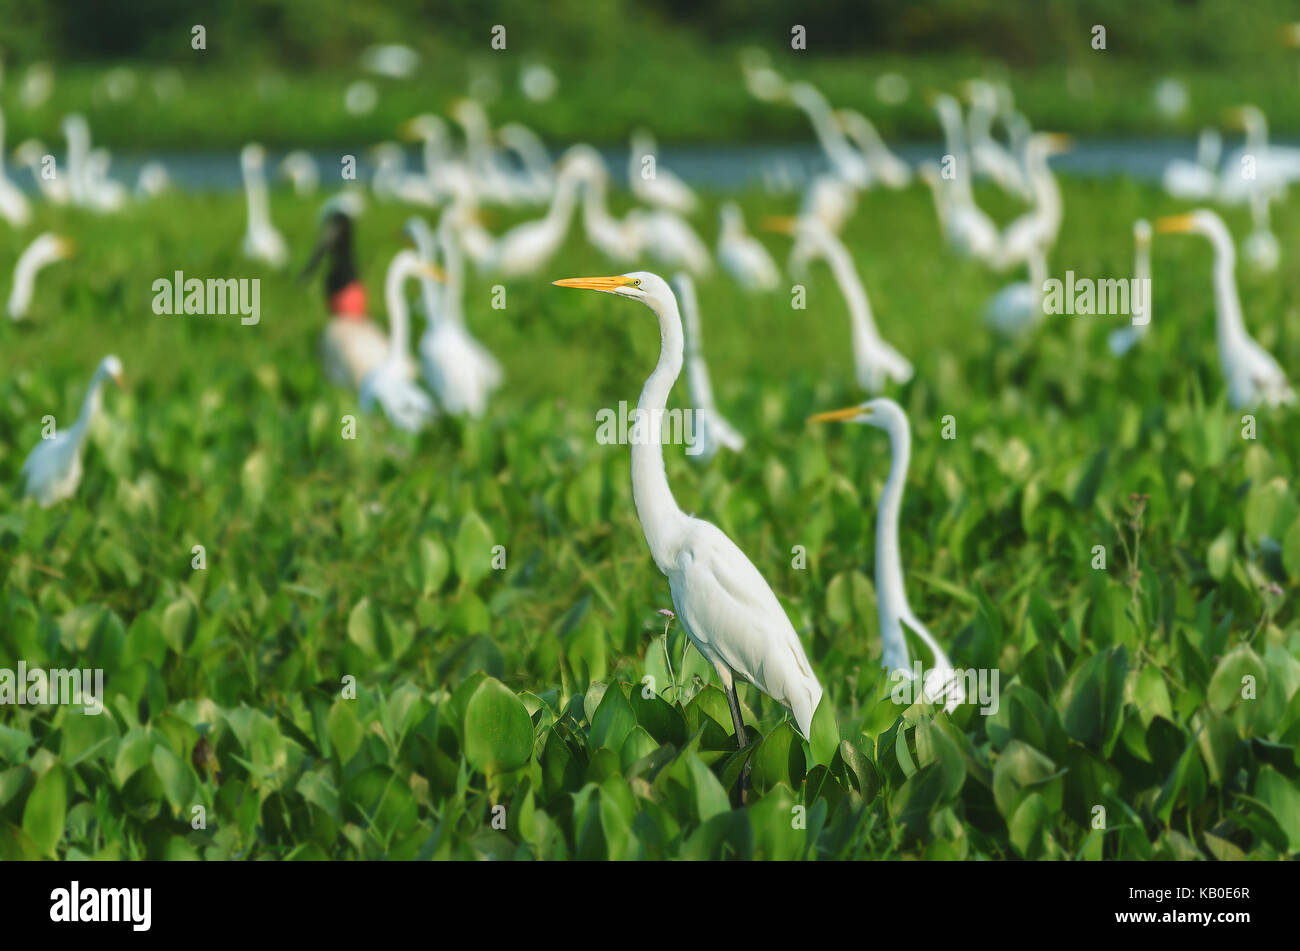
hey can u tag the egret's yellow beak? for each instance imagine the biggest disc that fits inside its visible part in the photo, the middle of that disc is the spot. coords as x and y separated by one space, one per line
781 224
409 130
1060 140
1175 224
840 415
119 380
65 247
1291 35
607 284
434 272
1235 117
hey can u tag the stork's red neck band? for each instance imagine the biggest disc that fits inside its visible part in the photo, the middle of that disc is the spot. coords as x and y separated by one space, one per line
349 301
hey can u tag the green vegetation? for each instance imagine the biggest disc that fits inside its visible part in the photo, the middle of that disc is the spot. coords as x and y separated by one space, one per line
525 687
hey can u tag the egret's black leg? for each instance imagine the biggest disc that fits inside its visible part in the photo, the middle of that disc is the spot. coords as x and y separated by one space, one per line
739 722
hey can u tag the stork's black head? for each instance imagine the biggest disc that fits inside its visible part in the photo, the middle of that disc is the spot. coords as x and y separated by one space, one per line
336 241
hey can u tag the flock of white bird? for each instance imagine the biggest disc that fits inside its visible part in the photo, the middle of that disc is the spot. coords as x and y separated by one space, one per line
726 607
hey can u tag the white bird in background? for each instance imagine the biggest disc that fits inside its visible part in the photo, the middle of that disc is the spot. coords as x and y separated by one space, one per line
1253 376
1195 181
1018 308
1037 229
669 239
457 370
940 681
152 180
406 405
1258 165
392 182
830 200
1121 341
537 178
262 242
846 162
712 431
527 247
742 255
46 249
653 184
435 145
14 206
76 131
1260 247
300 168
989 156
875 361
891 170
102 193
53 469
618 240
726 608
966 229
54 188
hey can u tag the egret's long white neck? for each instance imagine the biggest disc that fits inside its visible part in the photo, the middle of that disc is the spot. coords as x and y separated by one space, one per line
398 314
1047 195
78 148
29 262
259 214
1229 327
833 142
661 519
453 263
890 593
90 405
855 295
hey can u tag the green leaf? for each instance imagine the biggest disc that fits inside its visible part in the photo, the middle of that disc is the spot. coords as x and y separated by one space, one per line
176 777
498 730
473 549
1238 672
1282 798
613 720
46 808
825 739
344 730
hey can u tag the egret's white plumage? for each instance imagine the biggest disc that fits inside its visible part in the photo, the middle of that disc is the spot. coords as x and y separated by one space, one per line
262 242
1123 340
14 206
728 611
741 254
406 405
1252 375
653 184
46 249
940 680
712 431
52 471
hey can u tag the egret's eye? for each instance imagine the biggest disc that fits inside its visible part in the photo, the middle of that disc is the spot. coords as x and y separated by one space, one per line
637 282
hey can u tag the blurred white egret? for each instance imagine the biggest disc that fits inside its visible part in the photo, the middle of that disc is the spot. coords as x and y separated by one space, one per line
989 156
940 681
457 370
1260 247
300 168
891 170
537 178
526 247
1195 181
53 469
742 255
1123 339
152 180
262 242
14 206
670 240
726 608
712 431
76 131
1258 166
875 361
1253 376
846 161
1036 230
653 184
615 239
46 249
406 405
1018 308
392 182
32 154
967 229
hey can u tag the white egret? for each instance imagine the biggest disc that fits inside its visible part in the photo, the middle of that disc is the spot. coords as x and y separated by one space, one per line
103 194
46 249
830 200
989 156
76 131
1260 248
537 178
742 255
967 229
726 608
526 248
615 239
351 345
435 143
846 161
891 170
152 179
670 240
712 431
1018 308
940 681
406 405
1124 339
14 206
653 184
1258 165
875 361
392 182
300 168
457 370
262 242
53 469
1036 230
32 154
1253 376
1195 181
